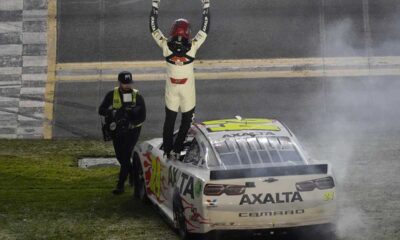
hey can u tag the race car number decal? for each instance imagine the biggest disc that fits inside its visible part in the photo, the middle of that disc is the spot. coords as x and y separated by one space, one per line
155 180
156 183
239 125
247 120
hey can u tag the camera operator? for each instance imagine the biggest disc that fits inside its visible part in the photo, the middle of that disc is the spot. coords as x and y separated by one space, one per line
124 111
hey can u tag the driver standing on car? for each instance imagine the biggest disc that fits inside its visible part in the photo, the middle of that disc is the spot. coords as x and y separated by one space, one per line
179 51
125 112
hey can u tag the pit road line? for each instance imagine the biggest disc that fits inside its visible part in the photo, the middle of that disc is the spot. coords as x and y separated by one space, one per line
238 63
245 75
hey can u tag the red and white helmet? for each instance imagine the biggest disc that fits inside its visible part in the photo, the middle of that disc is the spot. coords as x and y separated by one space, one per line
181 28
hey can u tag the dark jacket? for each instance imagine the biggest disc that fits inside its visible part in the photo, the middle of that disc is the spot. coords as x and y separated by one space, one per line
134 114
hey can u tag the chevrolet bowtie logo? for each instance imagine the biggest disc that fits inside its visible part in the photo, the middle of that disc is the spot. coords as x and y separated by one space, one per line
270 180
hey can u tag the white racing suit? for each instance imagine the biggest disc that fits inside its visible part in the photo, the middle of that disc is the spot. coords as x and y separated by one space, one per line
180 90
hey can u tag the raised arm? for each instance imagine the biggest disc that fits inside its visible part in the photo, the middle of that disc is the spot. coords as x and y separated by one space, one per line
155 31
205 27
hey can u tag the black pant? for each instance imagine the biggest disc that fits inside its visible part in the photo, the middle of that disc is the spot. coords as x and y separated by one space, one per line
123 145
168 134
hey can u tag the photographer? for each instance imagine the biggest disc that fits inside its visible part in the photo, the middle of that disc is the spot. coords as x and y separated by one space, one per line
124 111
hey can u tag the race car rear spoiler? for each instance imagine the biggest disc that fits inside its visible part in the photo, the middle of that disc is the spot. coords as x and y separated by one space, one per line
269 171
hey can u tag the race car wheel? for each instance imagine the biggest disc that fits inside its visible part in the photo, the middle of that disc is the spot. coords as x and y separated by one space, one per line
139 184
322 231
326 232
180 222
179 216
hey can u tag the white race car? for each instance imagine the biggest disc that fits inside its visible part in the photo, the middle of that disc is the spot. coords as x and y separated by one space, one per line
236 174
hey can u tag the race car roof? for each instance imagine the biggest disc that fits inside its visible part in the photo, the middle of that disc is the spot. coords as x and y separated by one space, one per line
218 129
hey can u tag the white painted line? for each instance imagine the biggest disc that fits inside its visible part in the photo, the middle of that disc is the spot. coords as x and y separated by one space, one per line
10 84
10 27
11 49
34 77
35 61
247 75
34 38
15 110
11 5
29 130
10 70
242 63
38 90
8 136
31 104
123 2
33 118
7 99
9 123
7 118
34 15
9 87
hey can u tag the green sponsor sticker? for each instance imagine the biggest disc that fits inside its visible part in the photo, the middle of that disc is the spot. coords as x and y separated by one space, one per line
198 187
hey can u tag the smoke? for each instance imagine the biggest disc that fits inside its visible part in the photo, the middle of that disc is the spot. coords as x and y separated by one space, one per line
357 122
341 39
350 223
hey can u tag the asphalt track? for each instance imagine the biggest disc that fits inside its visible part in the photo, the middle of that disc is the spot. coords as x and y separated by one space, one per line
104 30
349 121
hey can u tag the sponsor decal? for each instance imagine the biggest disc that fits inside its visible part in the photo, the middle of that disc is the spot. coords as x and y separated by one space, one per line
205 21
193 218
241 125
265 198
186 186
198 187
184 182
270 180
329 196
153 22
212 202
179 60
251 134
271 213
173 175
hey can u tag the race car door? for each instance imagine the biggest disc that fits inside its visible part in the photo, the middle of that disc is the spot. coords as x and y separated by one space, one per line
180 173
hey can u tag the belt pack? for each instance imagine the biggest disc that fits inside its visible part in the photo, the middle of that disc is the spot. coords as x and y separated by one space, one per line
178 81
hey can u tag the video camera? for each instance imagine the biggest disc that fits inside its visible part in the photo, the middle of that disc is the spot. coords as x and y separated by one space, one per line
114 124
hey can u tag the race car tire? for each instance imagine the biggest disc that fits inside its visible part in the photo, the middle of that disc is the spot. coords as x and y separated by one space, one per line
322 231
326 231
139 183
179 217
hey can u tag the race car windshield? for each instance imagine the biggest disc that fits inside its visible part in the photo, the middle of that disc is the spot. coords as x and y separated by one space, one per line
257 151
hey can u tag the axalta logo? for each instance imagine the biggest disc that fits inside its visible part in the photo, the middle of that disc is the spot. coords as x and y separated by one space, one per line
272 213
153 22
264 198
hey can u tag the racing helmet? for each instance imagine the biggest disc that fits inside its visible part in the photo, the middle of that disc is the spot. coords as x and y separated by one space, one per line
181 29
